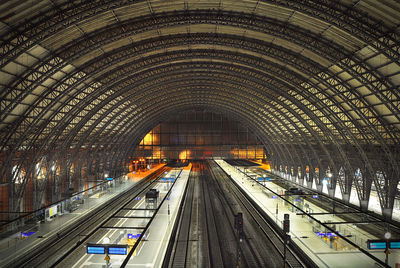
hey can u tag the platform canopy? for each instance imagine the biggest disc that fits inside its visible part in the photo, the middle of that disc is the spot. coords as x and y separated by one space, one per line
81 83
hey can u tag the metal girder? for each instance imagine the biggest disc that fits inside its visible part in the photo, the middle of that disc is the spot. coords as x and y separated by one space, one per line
313 42
344 17
288 31
29 111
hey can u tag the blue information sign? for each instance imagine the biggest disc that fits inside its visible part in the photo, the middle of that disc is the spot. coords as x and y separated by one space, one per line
95 249
109 179
167 179
133 236
26 234
263 179
114 250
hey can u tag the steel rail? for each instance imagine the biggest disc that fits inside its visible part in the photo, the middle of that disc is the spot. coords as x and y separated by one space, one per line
293 260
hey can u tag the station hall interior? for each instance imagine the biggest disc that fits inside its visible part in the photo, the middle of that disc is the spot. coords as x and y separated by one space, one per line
200 133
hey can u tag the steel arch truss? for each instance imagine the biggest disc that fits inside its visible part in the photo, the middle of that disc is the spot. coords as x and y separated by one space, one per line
77 108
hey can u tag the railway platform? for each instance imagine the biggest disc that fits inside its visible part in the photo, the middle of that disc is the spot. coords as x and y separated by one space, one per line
325 250
14 247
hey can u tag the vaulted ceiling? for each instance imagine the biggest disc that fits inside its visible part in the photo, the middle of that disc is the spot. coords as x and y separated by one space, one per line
317 81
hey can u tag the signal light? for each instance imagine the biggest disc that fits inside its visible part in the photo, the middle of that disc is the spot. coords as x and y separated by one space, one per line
286 223
239 222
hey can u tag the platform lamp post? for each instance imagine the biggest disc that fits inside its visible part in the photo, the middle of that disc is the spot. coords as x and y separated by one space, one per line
107 240
387 252
286 228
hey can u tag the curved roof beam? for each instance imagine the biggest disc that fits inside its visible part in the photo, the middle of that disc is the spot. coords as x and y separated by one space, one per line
349 19
313 46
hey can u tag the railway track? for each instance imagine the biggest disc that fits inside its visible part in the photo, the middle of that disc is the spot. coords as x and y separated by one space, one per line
257 221
255 250
207 225
190 233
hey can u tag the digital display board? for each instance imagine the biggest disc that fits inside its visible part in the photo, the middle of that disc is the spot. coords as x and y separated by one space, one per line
114 250
394 245
93 249
381 244
376 244
109 179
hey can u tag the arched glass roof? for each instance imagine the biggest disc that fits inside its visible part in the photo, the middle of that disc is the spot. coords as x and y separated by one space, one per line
318 81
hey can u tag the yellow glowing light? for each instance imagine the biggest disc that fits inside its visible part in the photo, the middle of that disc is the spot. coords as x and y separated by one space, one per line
148 139
184 154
